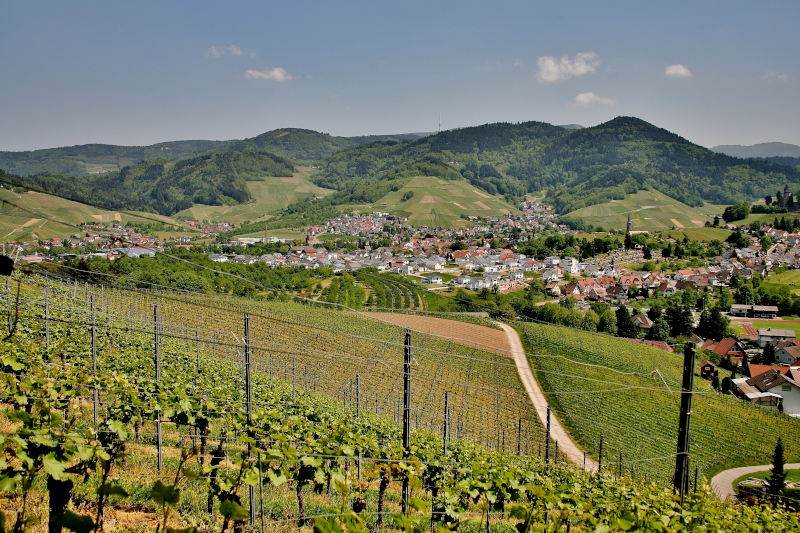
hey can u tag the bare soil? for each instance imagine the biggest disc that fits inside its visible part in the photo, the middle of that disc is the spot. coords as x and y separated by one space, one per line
489 339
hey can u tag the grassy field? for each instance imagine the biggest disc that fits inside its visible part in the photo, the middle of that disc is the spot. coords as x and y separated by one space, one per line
766 219
650 211
791 475
20 225
790 277
699 234
269 195
438 202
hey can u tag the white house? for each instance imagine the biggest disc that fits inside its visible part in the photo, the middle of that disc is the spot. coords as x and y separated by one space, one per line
788 355
551 274
772 388
767 335
433 279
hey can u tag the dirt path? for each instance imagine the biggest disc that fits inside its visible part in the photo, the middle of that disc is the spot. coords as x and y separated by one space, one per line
557 432
722 483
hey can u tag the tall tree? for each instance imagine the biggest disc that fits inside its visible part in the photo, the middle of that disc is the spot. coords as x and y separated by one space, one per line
769 354
659 331
777 480
625 326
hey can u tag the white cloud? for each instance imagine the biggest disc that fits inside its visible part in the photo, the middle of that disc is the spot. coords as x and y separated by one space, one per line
770 74
518 63
277 74
678 71
223 50
590 100
552 69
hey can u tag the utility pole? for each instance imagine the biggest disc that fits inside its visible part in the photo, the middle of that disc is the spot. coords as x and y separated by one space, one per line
547 439
446 420
157 354
406 415
682 459
249 399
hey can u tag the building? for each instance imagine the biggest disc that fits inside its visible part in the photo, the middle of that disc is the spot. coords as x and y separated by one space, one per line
707 370
771 389
767 335
727 347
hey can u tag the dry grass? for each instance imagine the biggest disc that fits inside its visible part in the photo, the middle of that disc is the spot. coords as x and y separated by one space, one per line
472 335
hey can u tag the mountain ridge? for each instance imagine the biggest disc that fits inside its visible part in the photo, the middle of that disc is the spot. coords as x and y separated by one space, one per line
762 150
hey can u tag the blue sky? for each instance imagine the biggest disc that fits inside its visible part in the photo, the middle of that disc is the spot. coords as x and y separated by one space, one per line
137 73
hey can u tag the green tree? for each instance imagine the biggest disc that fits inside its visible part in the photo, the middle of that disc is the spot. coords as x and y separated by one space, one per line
680 320
777 479
713 325
726 385
715 380
768 355
689 297
725 300
655 312
608 322
590 321
659 331
625 325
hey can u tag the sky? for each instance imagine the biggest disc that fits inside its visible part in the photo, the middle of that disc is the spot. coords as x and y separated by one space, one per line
138 73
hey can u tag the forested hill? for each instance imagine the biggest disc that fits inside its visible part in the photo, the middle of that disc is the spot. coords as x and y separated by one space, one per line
166 187
88 159
306 145
578 167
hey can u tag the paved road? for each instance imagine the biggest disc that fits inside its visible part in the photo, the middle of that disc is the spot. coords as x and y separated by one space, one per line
539 400
723 482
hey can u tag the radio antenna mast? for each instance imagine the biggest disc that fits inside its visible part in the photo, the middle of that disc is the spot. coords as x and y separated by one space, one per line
440 123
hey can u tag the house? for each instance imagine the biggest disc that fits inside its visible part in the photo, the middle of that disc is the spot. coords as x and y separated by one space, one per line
765 311
462 280
767 335
729 346
617 292
667 288
571 290
596 293
476 284
642 323
551 274
788 355
707 370
515 275
771 389
433 279
740 310
552 288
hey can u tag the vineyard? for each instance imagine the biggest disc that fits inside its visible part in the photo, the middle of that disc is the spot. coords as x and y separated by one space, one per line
140 410
604 386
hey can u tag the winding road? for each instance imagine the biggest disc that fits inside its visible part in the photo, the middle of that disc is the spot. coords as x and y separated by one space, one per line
557 432
723 482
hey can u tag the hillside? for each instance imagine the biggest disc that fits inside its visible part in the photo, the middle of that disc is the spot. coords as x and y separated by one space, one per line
649 210
763 150
579 168
164 187
306 145
21 225
445 203
87 159
268 194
